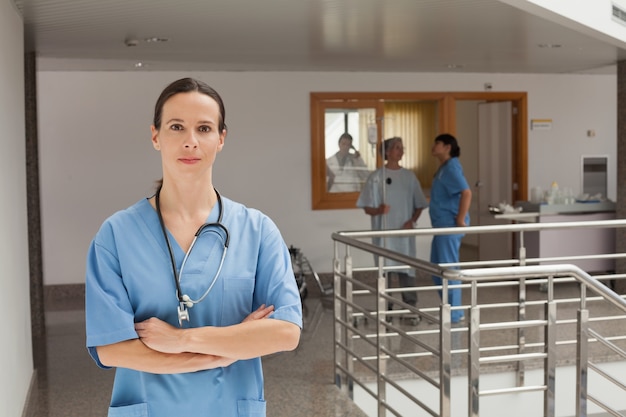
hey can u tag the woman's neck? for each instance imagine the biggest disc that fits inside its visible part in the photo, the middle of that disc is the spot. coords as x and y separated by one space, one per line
444 158
393 165
187 201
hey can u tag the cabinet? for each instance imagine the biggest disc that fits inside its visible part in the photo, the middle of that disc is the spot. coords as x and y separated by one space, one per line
569 242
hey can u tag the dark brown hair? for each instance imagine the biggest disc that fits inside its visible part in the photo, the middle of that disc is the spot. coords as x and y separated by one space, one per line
448 139
187 85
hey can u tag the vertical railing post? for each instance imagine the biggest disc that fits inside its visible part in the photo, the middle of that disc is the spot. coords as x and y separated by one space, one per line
521 333
340 333
445 343
550 350
521 316
341 356
473 355
349 342
582 354
381 308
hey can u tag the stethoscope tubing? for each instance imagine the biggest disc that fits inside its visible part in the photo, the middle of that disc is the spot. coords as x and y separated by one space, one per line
179 294
219 269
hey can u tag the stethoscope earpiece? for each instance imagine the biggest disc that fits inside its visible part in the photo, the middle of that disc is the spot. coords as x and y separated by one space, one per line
187 301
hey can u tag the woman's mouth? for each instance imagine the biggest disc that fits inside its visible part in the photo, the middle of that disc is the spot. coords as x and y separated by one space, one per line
189 160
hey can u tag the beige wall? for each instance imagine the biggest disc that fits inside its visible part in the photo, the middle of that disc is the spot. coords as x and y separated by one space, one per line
15 349
96 156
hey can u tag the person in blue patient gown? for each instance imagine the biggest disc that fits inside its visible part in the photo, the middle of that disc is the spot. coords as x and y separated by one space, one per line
450 199
185 320
392 196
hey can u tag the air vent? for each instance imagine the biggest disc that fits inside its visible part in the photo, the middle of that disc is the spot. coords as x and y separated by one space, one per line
619 13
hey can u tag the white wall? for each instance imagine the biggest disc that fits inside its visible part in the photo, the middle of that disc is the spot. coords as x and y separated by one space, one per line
15 349
96 156
516 405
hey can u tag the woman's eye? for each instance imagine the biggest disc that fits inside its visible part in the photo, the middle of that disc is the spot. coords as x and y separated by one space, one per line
176 127
204 129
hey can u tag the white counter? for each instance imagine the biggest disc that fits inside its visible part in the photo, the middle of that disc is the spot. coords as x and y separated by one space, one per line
568 242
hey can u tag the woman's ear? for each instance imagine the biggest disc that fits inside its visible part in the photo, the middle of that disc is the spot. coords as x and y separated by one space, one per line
155 138
222 139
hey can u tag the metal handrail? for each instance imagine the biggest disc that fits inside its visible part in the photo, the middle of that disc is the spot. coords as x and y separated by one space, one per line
473 279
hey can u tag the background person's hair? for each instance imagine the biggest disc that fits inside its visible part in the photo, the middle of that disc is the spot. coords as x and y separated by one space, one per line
448 139
387 144
345 136
187 85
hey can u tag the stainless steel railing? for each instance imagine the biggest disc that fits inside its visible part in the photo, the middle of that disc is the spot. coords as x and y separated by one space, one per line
577 321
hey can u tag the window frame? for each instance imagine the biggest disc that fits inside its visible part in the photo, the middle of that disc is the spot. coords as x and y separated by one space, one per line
446 102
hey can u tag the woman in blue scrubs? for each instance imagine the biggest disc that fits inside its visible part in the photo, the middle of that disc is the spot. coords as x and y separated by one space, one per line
185 319
450 198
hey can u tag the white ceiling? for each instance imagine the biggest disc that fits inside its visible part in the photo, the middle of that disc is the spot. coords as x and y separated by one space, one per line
310 35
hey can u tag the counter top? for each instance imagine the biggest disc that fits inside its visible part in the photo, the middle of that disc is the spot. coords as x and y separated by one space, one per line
530 216
590 207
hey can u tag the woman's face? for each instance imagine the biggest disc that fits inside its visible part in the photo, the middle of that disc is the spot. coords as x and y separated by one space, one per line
345 145
189 137
440 149
395 151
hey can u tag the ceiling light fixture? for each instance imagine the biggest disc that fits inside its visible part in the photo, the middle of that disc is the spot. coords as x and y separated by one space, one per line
130 42
156 40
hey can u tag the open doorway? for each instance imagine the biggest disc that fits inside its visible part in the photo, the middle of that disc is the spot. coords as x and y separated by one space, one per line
489 131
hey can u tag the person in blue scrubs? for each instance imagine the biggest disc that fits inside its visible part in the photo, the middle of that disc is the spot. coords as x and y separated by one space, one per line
450 198
392 196
185 319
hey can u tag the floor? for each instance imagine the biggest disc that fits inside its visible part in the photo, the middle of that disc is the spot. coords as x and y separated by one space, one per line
298 383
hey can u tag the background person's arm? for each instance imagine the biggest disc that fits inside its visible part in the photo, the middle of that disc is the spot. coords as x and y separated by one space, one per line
377 211
464 205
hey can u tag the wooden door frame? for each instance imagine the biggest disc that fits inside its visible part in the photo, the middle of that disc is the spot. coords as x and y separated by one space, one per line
519 134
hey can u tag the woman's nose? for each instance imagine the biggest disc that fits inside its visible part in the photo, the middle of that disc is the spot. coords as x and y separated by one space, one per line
191 141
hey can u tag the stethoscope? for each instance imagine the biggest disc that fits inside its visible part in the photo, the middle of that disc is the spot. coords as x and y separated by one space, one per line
184 301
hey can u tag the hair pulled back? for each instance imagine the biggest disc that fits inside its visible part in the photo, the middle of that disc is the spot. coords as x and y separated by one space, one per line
187 85
448 139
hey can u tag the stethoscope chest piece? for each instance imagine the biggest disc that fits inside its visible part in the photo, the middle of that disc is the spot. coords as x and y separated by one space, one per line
183 314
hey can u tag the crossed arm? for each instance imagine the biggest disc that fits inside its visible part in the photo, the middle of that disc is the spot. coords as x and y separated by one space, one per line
163 348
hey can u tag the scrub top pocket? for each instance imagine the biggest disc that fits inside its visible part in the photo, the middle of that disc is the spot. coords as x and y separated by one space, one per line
134 410
250 408
238 294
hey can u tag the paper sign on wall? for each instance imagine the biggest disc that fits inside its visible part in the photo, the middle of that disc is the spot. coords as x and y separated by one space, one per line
541 124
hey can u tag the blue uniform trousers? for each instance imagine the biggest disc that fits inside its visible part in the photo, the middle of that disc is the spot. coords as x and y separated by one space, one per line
445 249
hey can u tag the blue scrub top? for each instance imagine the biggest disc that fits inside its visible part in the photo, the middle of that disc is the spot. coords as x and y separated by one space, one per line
129 279
445 194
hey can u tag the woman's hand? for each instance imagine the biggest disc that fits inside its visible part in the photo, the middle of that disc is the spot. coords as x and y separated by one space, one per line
262 312
163 337
383 209
159 335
